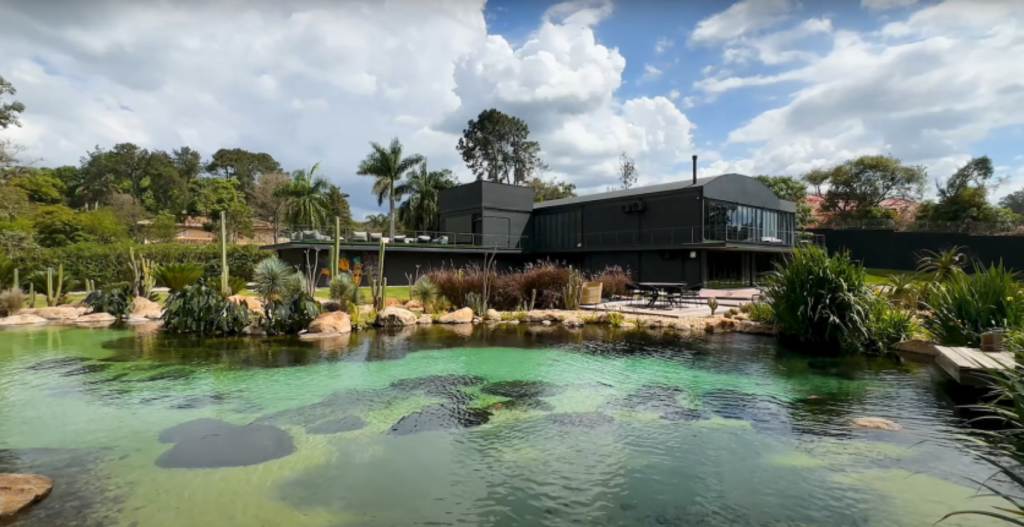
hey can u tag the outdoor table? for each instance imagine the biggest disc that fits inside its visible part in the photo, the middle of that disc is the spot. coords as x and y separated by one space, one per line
658 289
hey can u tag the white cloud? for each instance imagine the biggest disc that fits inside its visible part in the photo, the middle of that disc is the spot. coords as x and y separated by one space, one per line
662 44
650 73
950 79
316 81
879 5
689 102
741 18
673 94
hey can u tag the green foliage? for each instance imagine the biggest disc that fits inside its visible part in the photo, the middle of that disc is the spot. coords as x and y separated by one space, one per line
967 305
615 318
9 110
886 325
102 225
387 166
162 229
7 270
273 280
57 226
761 312
40 188
818 300
496 147
858 187
713 304
201 310
423 187
549 189
425 291
242 166
903 289
237 284
290 315
343 290
337 207
217 195
475 301
790 189
55 283
115 299
175 276
306 198
1013 201
104 263
942 264
11 301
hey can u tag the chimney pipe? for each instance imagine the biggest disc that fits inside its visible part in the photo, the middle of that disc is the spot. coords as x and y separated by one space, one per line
694 169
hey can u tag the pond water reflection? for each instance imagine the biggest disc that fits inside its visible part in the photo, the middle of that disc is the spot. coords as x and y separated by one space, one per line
523 425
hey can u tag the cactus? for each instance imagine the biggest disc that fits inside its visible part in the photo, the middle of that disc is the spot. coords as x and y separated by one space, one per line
379 284
90 286
31 295
533 299
16 284
713 304
143 280
225 287
337 248
572 290
53 295
475 302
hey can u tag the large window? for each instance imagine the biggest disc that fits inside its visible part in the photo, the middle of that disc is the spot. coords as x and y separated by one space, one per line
742 223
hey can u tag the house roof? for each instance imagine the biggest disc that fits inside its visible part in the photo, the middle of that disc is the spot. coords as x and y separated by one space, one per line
638 191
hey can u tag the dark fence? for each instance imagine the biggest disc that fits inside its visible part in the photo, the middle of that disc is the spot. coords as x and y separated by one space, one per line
898 250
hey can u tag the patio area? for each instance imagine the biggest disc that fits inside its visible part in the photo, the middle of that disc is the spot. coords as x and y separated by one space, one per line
727 298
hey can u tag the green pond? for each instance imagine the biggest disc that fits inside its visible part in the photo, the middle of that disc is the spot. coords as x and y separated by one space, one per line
475 426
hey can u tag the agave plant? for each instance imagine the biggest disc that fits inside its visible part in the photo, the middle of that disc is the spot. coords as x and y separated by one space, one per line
290 315
343 290
237 284
175 276
903 289
425 291
944 264
274 280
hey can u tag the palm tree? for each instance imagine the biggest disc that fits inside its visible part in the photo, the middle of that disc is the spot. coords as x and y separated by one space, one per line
307 198
388 167
375 222
419 212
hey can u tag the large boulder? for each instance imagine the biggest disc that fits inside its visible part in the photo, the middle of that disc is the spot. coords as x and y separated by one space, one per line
331 322
251 302
538 317
95 319
492 315
462 316
395 317
57 312
414 304
18 491
21 320
392 302
425 319
146 308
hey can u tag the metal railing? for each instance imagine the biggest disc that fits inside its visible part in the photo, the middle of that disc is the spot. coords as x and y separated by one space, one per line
678 236
996 228
302 234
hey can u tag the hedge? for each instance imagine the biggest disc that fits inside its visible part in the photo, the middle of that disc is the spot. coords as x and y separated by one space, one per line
108 263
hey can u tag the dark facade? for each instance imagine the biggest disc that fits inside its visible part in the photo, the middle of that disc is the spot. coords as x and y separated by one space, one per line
899 251
724 229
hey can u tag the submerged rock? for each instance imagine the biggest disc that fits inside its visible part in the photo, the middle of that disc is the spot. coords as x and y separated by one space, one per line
87 368
581 420
55 364
18 491
209 443
337 426
522 389
525 404
436 385
172 374
876 423
440 417
663 400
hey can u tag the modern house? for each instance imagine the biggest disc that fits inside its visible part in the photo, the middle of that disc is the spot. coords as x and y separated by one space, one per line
724 229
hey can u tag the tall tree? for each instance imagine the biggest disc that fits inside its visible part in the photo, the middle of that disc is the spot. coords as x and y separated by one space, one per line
790 189
307 198
337 206
266 198
216 195
189 164
387 167
376 222
858 187
816 177
496 147
1013 201
130 164
97 180
627 170
41 187
242 165
9 110
423 187
547 190
964 195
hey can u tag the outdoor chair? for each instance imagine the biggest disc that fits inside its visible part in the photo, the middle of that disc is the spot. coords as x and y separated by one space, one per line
359 236
442 240
692 294
399 238
375 236
423 239
674 295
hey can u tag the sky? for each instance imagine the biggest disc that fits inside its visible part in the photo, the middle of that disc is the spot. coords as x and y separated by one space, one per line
754 87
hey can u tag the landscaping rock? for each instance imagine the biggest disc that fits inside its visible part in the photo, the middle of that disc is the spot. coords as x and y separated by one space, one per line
440 417
392 302
18 491
413 304
250 302
572 322
546 322
462 316
395 317
95 319
146 309
21 320
536 317
492 314
332 322
626 325
876 423
56 313
254 330
425 320
709 328
522 389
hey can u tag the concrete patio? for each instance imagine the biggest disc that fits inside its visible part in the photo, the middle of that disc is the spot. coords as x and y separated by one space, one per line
727 298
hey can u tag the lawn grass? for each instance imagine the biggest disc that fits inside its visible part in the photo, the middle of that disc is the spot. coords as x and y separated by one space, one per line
399 292
881 276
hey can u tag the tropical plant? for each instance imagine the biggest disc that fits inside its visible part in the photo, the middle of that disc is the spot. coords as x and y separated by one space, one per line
475 301
818 299
54 283
175 276
886 325
115 299
201 310
306 197
7 270
290 315
425 291
903 289
388 167
943 264
237 284
423 187
11 301
965 306
273 280
142 274
761 312
343 290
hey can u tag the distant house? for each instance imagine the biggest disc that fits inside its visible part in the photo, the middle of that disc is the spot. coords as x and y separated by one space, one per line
904 208
193 230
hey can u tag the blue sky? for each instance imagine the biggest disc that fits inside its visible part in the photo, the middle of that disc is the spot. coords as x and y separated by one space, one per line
754 86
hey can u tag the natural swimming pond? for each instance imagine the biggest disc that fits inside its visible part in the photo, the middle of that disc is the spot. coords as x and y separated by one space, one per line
474 426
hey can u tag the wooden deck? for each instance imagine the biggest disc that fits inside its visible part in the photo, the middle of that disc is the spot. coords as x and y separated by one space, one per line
969 365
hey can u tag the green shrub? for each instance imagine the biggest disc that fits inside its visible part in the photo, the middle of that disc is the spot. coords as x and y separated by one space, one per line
817 299
105 263
116 300
761 312
273 280
200 310
424 291
733 311
11 301
290 315
177 275
343 290
615 318
886 325
237 284
65 285
965 306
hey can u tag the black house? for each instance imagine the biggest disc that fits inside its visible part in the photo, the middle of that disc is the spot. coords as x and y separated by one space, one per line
716 230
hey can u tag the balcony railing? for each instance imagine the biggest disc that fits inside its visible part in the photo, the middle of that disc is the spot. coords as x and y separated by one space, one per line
405 237
677 236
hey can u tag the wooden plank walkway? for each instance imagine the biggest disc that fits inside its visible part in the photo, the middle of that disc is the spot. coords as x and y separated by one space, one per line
969 365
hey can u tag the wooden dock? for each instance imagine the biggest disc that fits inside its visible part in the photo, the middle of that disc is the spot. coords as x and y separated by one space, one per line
969 365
